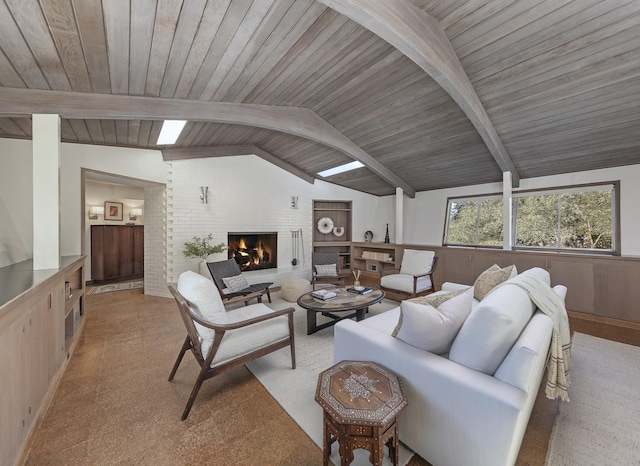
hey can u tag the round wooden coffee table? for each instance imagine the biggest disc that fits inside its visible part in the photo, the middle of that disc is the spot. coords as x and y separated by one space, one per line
344 301
361 402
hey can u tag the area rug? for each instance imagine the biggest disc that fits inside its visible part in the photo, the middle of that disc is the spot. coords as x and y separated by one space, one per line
118 287
295 389
601 423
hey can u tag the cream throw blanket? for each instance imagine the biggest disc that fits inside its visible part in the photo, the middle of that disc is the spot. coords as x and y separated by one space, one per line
552 305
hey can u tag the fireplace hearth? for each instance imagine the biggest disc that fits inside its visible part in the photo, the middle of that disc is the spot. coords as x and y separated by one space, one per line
254 250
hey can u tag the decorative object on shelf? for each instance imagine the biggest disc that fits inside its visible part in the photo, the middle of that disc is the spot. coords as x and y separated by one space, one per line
386 236
368 236
135 213
113 211
94 211
325 225
356 277
202 247
204 193
338 231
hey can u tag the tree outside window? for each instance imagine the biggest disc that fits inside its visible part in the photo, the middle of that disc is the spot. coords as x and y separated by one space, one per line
575 218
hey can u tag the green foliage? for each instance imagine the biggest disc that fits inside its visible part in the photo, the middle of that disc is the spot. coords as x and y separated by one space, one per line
581 220
475 222
202 247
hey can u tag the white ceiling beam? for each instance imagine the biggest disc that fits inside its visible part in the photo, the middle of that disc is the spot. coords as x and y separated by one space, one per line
297 121
420 37
183 153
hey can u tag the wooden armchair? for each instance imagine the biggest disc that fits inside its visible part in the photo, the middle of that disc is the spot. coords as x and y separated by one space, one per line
330 261
229 271
249 333
415 276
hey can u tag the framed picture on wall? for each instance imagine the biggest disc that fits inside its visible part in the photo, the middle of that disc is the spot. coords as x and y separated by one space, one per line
113 210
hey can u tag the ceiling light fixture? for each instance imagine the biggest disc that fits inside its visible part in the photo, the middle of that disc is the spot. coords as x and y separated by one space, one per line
170 131
341 169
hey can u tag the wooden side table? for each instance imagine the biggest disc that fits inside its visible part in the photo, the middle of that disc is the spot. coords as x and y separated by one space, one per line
361 402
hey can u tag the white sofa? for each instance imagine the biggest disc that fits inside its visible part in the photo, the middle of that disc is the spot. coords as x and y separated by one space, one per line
473 411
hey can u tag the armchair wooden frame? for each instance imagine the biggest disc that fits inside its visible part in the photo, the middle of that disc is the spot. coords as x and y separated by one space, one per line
429 274
326 258
192 342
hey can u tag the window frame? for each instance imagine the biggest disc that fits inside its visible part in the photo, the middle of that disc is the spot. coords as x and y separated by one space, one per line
615 236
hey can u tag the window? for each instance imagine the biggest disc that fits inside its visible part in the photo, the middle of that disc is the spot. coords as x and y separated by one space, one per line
474 222
576 218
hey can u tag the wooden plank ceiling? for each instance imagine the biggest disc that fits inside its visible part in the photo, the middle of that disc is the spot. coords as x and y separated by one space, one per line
559 81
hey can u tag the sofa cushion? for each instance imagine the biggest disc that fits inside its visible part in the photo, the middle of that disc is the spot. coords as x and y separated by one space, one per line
491 278
493 327
432 322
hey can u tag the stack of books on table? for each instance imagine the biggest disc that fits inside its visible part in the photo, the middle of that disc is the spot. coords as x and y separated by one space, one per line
324 294
360 290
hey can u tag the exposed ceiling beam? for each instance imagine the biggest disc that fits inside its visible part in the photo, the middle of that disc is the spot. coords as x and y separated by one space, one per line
183 153
420 37
300 122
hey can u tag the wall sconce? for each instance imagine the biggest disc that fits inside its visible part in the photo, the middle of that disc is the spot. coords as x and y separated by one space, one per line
294 202
204 193
94 211
134 213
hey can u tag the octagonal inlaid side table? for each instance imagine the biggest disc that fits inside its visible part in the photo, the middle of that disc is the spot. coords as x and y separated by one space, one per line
361 401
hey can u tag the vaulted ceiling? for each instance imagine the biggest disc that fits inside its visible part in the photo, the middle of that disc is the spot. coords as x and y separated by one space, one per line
427 94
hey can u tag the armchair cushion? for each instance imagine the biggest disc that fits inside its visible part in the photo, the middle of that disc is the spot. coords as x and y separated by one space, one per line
235 283
326 270
404 282
415 262
432 322
203 297
250 338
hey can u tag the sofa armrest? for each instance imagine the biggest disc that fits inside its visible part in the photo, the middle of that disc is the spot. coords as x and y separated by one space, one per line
450 287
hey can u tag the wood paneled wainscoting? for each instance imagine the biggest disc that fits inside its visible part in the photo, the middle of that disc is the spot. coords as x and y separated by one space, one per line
600 286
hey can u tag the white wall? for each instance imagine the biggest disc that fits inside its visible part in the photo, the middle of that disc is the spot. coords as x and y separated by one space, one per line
425 215
247 193
16 201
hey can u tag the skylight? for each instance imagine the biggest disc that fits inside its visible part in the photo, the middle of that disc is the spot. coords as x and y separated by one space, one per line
170 131
341 169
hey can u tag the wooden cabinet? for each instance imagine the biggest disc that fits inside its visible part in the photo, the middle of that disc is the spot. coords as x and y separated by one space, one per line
32 345
117 252
332 229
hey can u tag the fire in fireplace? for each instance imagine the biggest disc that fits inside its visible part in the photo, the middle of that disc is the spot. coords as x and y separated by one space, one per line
254 251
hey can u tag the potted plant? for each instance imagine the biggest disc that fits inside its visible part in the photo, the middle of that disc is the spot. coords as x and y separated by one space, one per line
202 248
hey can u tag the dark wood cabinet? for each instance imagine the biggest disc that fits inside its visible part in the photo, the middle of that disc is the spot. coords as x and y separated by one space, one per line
117 252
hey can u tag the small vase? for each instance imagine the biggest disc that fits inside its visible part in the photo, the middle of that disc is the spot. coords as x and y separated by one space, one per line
356 283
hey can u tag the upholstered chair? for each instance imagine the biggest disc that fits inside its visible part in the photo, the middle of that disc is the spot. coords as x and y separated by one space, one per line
415 276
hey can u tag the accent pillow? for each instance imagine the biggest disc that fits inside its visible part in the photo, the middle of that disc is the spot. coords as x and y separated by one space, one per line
489 279
328 270
431 323
236 283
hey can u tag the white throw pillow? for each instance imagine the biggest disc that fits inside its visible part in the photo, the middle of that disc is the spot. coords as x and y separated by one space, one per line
431 323
328 270
416 262
236 283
